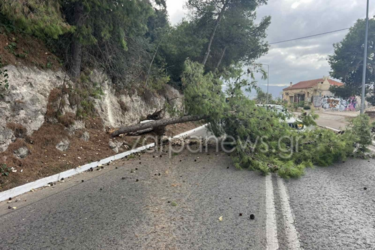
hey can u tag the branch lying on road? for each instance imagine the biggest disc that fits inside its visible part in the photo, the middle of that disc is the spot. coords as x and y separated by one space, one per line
159 123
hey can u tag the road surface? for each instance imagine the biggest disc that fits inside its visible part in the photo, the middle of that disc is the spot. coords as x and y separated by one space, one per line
196 201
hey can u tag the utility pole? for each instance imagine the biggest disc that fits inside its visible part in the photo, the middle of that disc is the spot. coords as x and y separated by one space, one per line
268 80
364 65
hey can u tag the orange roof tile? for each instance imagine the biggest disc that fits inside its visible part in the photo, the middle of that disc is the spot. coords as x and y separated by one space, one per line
312 83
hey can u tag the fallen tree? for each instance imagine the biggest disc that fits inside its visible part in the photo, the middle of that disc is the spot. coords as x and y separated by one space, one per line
155 124
256 137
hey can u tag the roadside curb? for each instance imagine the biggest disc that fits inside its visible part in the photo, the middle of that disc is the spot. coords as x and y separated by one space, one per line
5 195
333 129
371 147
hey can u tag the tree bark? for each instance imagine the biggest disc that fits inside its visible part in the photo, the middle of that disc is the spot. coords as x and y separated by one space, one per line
214 31
159 123
76 47
221 58
152 61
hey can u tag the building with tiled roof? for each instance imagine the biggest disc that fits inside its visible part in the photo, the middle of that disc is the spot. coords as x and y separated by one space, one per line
306 90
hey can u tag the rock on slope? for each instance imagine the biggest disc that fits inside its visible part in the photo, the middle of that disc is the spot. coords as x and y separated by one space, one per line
26 101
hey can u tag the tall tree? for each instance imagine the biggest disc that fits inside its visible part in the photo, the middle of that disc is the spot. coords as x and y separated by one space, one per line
347 60
263 97
238 39
100 21
218 10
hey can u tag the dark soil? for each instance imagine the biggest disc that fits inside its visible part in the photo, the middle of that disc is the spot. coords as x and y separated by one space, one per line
26 50
45 160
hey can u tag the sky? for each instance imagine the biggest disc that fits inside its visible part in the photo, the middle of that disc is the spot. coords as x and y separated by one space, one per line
302 59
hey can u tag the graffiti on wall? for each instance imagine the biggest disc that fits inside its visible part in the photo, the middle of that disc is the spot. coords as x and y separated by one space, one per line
333 103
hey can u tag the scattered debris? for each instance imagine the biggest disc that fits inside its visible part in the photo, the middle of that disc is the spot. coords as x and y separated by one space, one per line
173 204
85 136
221 218
21 153
112 145
63 145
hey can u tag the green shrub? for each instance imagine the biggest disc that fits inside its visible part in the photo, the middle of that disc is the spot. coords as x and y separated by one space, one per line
4 170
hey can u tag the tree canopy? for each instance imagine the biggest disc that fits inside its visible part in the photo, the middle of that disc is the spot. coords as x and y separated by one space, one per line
347 61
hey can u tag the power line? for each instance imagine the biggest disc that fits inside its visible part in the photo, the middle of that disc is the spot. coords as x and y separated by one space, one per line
310 36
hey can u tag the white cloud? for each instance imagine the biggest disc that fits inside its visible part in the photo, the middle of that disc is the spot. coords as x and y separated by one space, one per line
301 59
276 84
305 59
176 10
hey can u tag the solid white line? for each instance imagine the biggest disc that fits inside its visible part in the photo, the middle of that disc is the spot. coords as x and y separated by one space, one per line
333 129
271 225
5 195
191 131
290 230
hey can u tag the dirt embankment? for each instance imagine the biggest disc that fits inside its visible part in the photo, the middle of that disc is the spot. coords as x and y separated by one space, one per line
44 159
27 50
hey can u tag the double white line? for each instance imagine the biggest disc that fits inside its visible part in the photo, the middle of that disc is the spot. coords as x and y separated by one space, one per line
271 224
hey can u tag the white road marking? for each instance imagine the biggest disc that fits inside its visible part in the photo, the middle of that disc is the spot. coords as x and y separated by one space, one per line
290 230
271 225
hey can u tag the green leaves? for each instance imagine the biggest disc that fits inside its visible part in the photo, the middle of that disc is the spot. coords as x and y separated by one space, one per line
259 138
347 61
203 95
39 17
361 129
4 170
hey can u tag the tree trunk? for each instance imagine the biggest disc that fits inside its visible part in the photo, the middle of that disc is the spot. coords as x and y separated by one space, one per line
214 32
76 47
221 59
154 124
152 61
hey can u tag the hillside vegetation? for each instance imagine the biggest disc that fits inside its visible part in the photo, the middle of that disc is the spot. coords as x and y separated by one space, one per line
215 46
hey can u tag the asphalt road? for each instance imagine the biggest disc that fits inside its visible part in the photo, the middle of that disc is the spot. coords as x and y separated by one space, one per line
128 205
180 209
334 206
